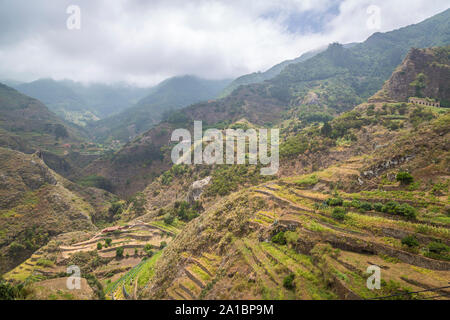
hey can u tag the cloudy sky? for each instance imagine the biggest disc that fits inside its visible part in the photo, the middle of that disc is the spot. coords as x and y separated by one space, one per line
146 41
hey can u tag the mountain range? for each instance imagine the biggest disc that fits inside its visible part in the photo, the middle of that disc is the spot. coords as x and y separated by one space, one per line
363 183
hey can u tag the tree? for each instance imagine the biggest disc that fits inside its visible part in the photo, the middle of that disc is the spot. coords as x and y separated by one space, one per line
288 281
119 252
326 129
108 242
279 238
168 218
60 131
405 178
410 241
338 213
419 84
99 246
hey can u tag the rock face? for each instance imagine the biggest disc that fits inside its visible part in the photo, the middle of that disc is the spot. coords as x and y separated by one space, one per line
433 63
379 168
196 189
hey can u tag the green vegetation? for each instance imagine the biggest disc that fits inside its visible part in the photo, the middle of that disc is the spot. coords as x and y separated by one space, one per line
183 211
438 250
288 281
419 83
119 252
279 238
404 209
108 242
333 202
97 182
405 178
338 213
226 179
9 291
410 241
307 181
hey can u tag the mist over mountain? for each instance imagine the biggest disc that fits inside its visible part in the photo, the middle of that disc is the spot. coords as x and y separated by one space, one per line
80 103
170 95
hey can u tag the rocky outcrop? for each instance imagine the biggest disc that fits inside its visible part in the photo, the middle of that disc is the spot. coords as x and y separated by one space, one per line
379 168
432 63
196 189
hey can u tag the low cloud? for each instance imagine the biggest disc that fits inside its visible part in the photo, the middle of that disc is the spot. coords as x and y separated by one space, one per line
144 42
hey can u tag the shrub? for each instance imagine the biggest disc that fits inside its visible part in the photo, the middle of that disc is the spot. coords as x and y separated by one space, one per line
119 252
378 206
162 245
334 201
366 206
16 248
438 247
405 178
97 182
108 242
116 209
410 241
45 262
338 213
407 211
404 209
279 238
99 246
356 204
168 218
288 281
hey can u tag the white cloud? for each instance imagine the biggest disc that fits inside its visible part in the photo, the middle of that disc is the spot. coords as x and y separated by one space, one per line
146 41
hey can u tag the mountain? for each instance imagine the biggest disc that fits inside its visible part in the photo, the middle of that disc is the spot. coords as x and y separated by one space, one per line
423 73
27 125
340 204
366 190
108 99
316 90
35 206
258 77
79 103
171 94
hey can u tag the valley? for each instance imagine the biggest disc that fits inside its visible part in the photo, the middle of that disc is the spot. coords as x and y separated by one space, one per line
363 182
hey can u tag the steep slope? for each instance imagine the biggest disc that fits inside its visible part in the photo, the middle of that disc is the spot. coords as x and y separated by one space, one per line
59 98
315 90
27 125
313 236
35 206
423 73
369 188
171 94
258 77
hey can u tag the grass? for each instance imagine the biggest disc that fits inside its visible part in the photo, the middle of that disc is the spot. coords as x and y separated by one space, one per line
148 269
